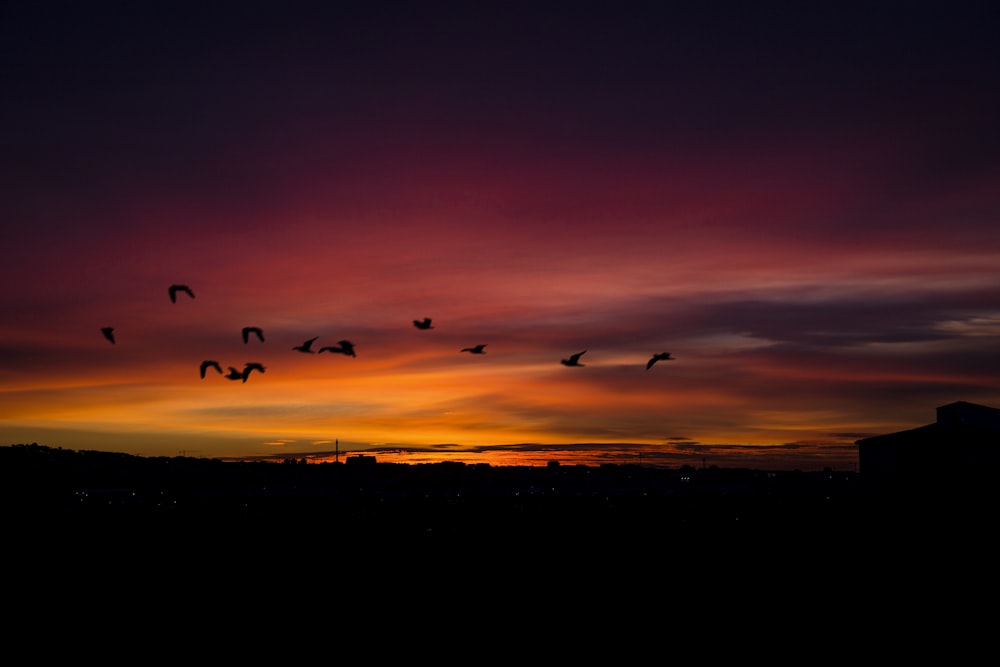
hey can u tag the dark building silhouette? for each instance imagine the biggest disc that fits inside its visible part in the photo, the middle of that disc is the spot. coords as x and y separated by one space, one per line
959 452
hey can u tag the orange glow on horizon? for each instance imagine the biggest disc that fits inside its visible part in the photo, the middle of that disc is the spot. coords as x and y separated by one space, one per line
815 245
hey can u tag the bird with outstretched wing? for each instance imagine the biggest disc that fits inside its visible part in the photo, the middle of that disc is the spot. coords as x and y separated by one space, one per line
252 330
174 289
342 347
661 356
208 363
252 366
306 346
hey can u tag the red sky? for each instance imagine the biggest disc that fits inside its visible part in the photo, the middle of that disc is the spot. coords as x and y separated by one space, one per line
799 202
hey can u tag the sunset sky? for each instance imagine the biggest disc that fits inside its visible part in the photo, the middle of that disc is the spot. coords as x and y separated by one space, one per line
799 201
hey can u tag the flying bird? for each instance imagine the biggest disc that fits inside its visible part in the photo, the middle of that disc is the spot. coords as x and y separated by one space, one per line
478 349
235 374
306 346
208 363
423 324
574 360
252 330
251 366
109 333
174 289
343 347
662 356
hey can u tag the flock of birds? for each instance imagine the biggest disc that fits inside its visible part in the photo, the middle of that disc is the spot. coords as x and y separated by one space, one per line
234 373
344 347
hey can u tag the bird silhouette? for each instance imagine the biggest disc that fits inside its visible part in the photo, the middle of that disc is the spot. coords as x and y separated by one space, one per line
343 347
174 289
208 363
478 349
109 333
306 346
252 330
235 374
662 356
423 324
574 359
251 366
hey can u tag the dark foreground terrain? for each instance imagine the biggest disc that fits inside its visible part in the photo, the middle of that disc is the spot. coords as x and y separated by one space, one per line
52 489
362 495
366 540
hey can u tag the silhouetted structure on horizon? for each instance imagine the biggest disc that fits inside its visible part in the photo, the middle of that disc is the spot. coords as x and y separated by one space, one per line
960 452
79 481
